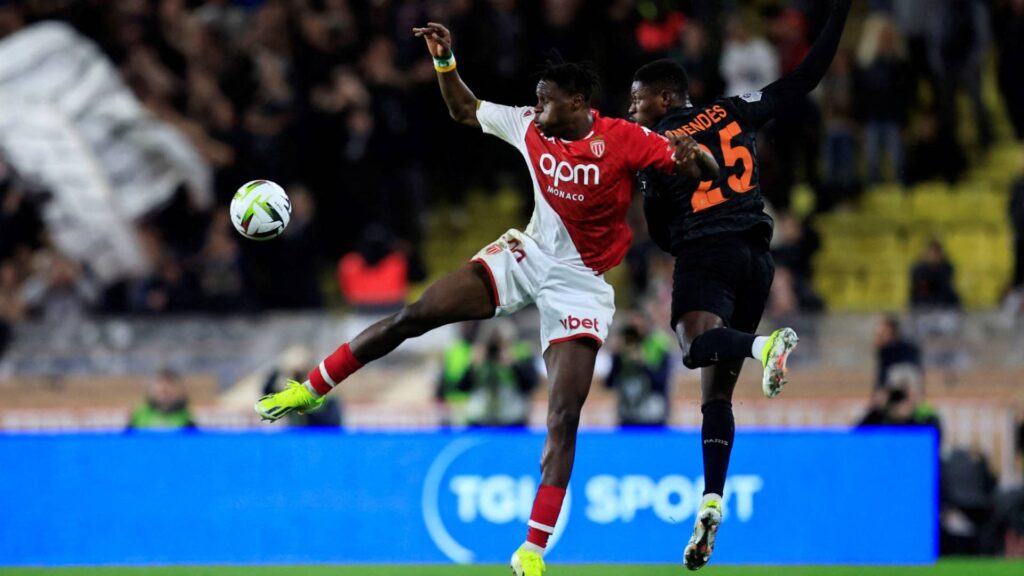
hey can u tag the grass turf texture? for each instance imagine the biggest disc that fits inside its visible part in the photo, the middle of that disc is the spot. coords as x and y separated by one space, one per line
954 567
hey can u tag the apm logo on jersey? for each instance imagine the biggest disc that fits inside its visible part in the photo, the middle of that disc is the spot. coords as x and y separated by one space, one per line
565 172
477 497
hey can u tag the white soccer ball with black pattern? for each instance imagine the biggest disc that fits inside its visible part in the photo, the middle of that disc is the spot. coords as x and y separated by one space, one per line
260 210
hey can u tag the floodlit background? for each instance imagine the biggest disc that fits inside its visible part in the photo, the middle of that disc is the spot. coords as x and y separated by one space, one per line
128 302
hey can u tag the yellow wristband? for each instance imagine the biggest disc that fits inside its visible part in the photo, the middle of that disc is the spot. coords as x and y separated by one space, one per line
445 64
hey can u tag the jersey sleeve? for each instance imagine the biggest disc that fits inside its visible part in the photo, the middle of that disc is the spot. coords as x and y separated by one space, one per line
506 122
649 149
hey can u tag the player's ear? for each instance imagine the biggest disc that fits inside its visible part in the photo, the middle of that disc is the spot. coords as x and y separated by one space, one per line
666 99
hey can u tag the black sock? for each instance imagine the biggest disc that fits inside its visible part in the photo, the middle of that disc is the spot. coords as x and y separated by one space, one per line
718 345
717 435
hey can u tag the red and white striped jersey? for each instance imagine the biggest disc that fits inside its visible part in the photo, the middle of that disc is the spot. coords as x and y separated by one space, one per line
582 188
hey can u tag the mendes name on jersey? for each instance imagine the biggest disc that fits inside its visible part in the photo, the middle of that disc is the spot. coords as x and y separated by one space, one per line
582 188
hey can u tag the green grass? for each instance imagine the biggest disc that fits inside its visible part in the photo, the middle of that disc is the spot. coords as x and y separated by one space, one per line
958 567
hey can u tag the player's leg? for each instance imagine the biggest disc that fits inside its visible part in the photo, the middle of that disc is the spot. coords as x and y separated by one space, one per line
576 310
706 280
465 294
570 367
717 429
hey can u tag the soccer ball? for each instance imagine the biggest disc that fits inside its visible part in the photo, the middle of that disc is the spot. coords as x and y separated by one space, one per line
260 210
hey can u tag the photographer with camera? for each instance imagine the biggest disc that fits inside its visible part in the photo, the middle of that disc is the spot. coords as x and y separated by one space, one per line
640 373
500 379
900 402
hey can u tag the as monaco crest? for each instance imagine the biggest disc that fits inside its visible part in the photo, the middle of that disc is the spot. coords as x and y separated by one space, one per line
597 147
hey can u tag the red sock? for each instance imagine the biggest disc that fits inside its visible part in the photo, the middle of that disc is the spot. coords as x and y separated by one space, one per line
335 368
546 506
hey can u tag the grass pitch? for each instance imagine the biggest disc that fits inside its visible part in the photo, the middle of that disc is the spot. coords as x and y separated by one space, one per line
954 567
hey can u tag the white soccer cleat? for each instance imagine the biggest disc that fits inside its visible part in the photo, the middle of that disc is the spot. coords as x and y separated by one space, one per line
773 358
705 528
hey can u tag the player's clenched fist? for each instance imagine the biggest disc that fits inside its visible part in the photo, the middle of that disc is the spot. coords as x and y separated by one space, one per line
439 39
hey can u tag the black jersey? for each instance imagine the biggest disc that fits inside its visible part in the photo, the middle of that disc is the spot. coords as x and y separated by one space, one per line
686 209
677 208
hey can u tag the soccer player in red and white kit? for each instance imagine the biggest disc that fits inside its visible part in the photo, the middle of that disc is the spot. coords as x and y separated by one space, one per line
583 167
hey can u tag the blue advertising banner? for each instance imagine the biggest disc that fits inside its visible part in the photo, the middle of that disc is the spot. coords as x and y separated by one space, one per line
334 497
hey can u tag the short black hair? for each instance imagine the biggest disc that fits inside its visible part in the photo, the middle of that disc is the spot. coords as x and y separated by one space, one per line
572 77
664 74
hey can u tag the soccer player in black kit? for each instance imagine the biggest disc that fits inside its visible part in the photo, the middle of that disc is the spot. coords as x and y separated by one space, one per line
719 234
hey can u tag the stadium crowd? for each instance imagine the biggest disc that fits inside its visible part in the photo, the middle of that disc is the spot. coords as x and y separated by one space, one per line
337 101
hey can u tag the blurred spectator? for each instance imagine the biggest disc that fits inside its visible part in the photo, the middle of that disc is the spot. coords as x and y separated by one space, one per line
966 502
20 223
269 119
640 371
1006 529
883 94
788 32
901 402
170 288
893 350
698 57
659 30
458 359
932 152
375 275
219 273
837 104
748 62
284 273
165 406
1017 221
294 365
501 377
59 290
913 20
931 280
12 306
960 37
1008 22
792 290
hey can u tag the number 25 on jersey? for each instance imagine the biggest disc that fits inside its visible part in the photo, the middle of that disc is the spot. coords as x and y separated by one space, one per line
705 196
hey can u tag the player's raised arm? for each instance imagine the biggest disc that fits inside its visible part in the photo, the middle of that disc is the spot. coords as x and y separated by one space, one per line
761 106
458 97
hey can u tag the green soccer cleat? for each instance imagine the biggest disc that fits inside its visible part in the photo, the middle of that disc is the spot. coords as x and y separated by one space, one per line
295 398
702 542
773 358
527 563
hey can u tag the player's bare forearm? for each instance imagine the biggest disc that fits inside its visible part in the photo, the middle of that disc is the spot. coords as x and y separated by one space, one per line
707 167
457 96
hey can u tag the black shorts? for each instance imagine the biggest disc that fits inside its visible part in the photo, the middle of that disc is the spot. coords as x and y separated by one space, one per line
729 275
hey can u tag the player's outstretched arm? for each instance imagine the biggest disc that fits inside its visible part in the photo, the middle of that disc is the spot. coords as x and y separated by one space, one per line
458 97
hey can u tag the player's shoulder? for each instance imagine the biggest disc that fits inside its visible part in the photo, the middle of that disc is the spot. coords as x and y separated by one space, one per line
626 128
525 113
739 101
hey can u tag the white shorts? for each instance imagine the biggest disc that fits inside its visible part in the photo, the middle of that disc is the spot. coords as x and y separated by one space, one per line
574 302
